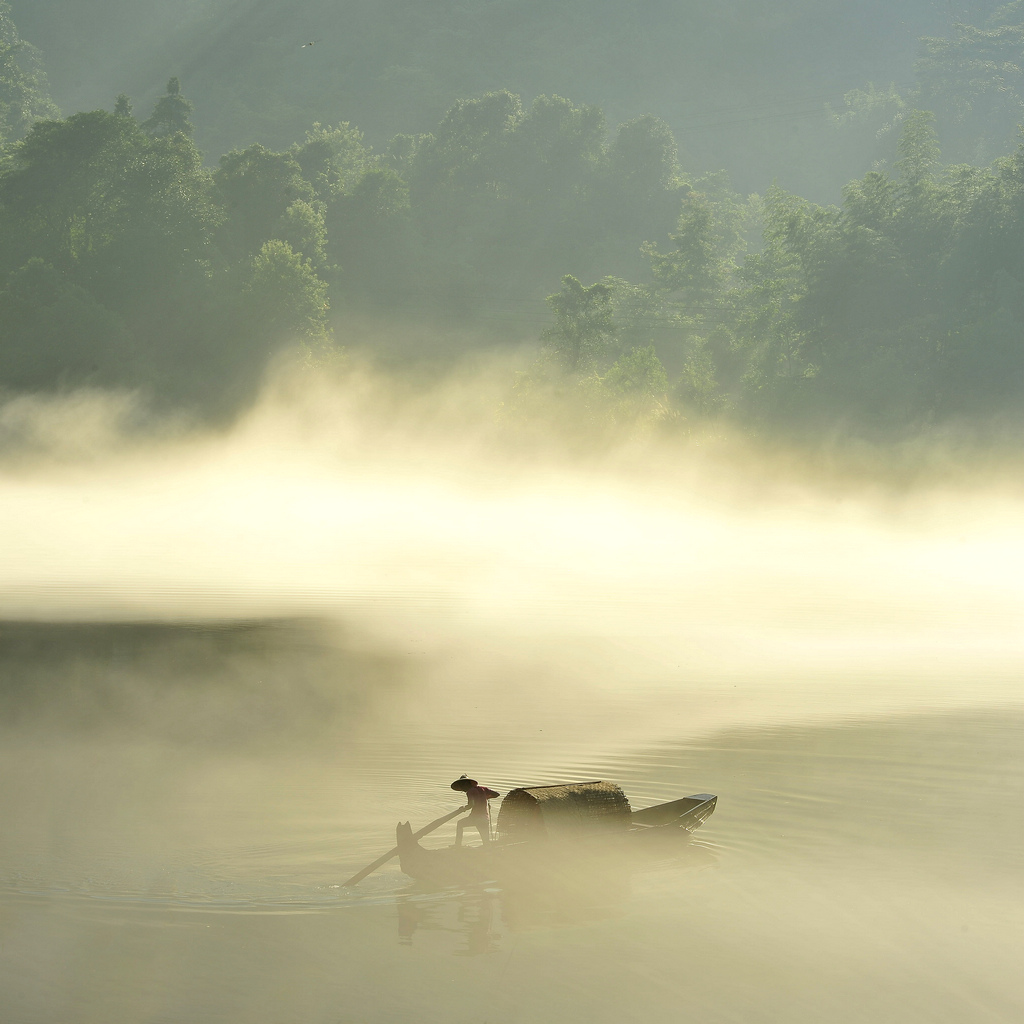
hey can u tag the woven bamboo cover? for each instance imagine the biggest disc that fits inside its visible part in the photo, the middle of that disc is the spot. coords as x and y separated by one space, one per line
561 810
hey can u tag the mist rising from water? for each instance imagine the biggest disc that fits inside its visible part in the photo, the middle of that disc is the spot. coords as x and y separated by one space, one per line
434 522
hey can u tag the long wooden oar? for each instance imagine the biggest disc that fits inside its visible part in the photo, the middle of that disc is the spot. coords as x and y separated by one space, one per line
360 875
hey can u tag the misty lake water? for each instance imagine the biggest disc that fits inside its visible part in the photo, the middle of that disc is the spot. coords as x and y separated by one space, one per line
201 739
170 862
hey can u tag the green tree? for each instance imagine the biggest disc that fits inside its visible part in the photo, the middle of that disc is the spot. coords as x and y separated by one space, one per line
706 243
113 209
639 372
125 223
767 318
380 192
583 329
460 201
870 202
283 296
256 187
644 157
642 188
23 90
556 150
302 227
371 238
401 151
698 387
918 150
170 115
466 154
634 392
973 80
55 334
332 159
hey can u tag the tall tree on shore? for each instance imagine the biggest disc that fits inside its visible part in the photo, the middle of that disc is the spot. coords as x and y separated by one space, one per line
170 115
583 326
23 89
116 211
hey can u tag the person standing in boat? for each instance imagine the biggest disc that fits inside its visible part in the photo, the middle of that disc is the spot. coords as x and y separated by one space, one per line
479 810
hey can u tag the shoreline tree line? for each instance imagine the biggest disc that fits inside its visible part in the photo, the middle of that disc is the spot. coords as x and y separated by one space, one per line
126 261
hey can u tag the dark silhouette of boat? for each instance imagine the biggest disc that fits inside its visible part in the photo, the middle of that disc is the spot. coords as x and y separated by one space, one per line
548 831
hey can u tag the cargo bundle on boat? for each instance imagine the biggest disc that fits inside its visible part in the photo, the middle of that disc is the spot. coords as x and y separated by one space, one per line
541 812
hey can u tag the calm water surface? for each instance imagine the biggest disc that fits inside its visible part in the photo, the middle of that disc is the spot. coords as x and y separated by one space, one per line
180 803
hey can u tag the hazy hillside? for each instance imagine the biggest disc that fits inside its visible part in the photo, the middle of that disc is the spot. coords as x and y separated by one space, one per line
132 257
742 84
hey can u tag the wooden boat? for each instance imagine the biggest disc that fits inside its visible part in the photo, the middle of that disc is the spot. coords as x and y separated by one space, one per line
549 831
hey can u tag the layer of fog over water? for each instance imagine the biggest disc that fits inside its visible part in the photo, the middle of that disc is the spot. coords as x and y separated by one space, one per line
233 661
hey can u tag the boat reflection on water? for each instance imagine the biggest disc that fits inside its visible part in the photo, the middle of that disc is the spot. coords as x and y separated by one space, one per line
481 916
472 915
565 855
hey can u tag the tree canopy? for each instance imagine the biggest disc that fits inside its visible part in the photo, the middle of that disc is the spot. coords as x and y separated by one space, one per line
23 89
126 259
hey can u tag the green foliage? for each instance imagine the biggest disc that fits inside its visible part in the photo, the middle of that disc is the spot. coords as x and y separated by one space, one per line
761 72
863 312
638 312
127 213
971 81
698 388
871 106
302 227
643 157
332 159
112 269
974 82
23 89
639 373
284 296
583 328
124 261
110 207
372 240
465 157
255 187
381 193
56 334
884 314
558 148
918 150
632 394
707 241
170 115
695 267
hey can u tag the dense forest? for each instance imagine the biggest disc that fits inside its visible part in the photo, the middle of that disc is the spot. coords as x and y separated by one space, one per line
742 84
129 259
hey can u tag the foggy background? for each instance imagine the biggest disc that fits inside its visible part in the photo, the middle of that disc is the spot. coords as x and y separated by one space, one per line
544 392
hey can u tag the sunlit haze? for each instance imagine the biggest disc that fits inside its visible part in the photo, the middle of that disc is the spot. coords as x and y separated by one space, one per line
510 512
696 558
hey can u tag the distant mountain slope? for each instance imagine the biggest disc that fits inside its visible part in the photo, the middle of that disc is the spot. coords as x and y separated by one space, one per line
742 83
